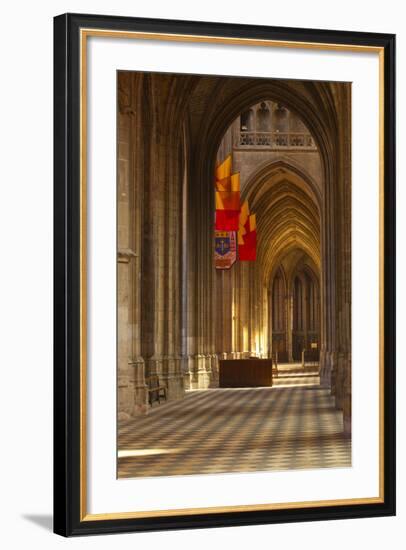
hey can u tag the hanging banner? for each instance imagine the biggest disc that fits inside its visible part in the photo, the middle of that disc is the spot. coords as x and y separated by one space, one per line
247 240
227 193
225 249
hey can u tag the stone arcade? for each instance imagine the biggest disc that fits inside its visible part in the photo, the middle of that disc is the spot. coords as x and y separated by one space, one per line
177 315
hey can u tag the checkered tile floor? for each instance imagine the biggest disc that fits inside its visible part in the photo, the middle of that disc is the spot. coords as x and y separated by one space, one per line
286 427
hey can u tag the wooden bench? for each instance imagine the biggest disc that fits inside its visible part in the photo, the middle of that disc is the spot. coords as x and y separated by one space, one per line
155 391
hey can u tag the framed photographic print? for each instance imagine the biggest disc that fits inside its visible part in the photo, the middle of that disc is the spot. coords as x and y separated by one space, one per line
224 274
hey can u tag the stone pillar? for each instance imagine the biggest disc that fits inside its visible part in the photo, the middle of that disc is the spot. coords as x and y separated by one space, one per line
202 359
305 311
269 296
342 381
265 322
132 390
235 314
289 321
328 286
162 223
162 314
172 375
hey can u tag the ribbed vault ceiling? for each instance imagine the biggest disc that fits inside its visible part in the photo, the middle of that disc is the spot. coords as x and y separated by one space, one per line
288 219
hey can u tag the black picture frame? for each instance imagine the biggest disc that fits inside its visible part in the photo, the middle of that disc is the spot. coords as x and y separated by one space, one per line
67 381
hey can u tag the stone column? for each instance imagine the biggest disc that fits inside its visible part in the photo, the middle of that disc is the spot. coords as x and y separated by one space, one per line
172 375
305 310
161 243
289 321
132 390
202 357
343 394
270 320
235 314
328 288
162 222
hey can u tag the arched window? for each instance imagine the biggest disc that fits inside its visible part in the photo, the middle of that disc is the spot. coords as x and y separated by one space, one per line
247 121
263 118
281 125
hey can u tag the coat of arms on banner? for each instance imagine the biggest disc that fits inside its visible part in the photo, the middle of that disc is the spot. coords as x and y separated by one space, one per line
225 249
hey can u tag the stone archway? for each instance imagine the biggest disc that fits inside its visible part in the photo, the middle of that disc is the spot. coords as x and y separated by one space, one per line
324 109
170 129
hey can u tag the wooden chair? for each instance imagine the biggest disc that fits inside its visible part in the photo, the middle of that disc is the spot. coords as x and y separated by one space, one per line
155 391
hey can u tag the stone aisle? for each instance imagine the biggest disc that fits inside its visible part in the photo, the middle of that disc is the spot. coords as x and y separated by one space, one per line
237 430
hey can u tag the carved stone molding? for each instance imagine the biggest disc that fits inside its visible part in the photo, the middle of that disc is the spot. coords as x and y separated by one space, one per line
124 255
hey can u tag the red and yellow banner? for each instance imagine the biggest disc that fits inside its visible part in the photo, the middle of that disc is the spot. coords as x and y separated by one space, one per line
247 235
232 217
227 187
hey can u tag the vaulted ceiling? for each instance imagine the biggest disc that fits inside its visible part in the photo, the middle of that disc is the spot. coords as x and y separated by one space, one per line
288 217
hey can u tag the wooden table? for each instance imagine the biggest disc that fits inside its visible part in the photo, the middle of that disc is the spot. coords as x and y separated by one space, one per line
245 373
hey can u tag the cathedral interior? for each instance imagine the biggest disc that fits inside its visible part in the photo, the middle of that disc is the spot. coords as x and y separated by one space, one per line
179 318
